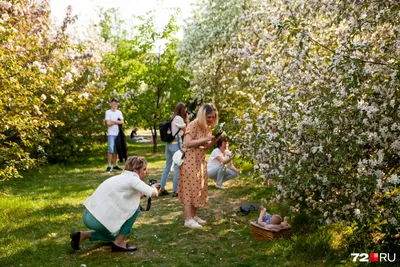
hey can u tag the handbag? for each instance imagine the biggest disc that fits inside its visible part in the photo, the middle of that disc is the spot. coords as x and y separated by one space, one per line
178 157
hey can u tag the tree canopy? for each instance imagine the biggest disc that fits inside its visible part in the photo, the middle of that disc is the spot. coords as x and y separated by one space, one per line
47 82
143 74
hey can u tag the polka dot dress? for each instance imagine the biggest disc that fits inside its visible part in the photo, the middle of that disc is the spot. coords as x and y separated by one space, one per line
193 178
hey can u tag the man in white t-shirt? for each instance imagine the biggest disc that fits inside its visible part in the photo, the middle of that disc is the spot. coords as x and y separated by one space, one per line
113 120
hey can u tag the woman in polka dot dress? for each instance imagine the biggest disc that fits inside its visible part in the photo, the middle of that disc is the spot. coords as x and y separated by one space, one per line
193 179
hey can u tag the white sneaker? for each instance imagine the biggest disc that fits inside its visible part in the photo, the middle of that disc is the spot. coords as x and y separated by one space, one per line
220 186
199 220
192 224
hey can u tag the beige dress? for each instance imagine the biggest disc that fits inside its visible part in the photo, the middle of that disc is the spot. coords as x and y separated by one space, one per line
193 178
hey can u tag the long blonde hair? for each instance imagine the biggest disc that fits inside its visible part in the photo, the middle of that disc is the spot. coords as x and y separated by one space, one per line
204 110
135 163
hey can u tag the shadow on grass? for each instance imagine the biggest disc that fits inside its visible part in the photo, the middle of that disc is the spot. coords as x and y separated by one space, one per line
159 234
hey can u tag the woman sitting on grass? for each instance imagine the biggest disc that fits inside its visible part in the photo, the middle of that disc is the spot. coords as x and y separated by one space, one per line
114 206
220 166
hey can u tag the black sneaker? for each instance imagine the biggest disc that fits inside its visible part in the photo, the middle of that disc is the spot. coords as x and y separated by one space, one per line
163 192
75 240
117 168
174 194
108 170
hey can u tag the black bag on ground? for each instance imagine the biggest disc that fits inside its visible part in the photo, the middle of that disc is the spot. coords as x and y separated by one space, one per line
166 131
247 208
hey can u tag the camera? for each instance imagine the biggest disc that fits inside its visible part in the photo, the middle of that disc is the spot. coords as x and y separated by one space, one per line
152 181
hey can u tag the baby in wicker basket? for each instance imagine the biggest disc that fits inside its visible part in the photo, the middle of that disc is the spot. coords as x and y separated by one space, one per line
271 222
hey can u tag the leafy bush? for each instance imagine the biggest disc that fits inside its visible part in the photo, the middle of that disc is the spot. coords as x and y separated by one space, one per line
49 86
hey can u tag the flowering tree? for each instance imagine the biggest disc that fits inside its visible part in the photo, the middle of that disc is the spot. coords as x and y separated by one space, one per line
318 87
46 83
82 80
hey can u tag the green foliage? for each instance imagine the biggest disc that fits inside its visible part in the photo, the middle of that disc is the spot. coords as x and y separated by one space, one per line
49 89
110 25
145 77
23 113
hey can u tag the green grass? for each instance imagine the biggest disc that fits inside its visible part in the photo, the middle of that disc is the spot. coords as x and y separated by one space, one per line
39 211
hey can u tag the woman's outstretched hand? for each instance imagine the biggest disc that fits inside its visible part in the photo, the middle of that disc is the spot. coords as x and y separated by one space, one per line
211 138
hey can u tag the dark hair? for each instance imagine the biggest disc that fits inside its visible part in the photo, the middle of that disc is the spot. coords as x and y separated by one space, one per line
180 110
221 140
114 100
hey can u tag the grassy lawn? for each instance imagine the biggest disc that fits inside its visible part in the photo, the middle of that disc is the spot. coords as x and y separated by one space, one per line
39 211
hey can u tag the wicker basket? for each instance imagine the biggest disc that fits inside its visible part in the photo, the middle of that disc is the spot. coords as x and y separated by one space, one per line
260 233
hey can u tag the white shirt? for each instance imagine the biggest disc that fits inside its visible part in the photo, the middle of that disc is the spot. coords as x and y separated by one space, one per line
117 199
176 124
113 116
212 161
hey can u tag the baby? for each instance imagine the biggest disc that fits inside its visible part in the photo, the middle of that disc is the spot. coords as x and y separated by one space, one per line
271 222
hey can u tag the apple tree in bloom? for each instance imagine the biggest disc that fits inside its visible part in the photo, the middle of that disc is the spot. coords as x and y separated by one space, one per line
310 91
49 89
82 109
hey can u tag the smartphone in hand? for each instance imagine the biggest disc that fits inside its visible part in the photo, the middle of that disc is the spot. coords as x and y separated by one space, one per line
218 135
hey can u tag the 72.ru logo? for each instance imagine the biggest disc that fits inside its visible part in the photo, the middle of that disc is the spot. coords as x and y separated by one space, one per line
374 257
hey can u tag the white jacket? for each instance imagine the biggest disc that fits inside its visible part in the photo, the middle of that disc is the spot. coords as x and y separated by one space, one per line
117 199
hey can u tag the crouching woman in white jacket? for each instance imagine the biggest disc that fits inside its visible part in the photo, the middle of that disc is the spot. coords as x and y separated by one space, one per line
114 206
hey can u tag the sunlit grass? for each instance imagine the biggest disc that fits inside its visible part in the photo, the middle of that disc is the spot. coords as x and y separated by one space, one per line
39 211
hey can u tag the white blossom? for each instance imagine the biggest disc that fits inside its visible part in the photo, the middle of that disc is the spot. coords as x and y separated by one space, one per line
394 179
392 220
67 78
36 64
5 17
83 95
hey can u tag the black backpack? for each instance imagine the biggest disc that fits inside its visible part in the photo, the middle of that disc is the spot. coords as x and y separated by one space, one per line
166 131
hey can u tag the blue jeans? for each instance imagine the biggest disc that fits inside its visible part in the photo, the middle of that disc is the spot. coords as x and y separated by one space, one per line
99 232
112 145
170 149
221 173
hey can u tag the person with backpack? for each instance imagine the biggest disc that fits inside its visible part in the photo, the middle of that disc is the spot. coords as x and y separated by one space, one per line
174 143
